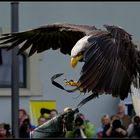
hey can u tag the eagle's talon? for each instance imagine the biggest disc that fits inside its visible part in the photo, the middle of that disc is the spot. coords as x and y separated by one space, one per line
71 83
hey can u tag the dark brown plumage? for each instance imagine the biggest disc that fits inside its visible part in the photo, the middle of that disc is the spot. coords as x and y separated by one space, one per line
111 59
55 36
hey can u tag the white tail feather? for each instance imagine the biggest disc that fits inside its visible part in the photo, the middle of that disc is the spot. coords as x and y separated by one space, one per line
135 95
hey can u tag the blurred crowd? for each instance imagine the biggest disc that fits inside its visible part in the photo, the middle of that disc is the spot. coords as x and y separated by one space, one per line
119 125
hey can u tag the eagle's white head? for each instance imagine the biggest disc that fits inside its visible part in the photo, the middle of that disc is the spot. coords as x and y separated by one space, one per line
78 49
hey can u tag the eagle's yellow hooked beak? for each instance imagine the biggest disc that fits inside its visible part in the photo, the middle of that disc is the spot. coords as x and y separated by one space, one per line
75 60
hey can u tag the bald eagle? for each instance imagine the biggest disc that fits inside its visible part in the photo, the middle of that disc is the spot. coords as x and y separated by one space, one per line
111 59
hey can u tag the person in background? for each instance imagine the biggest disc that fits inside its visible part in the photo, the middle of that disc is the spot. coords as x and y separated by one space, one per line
53 113
125 118
116 129
5 131
24 130
106 122
41 120
82 128
22 116
25 126
134 128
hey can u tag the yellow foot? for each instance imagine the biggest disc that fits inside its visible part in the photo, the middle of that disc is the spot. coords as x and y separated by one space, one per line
74 83
71 83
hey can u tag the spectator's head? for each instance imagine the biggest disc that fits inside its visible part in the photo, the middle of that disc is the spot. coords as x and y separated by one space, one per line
53 113
105 120
41 120
22 113
2 130
121 108
136 120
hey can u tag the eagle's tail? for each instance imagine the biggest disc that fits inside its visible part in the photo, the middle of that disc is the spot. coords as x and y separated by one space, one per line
135 95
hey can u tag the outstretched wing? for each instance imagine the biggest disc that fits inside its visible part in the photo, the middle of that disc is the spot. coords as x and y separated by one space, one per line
55 36
110 63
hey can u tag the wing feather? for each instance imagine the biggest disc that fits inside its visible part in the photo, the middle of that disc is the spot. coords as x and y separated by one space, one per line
108 67
56 36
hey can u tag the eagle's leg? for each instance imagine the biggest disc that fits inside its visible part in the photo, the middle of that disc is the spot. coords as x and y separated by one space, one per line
73 83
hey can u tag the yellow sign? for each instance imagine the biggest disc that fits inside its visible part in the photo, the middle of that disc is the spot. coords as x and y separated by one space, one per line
37 105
